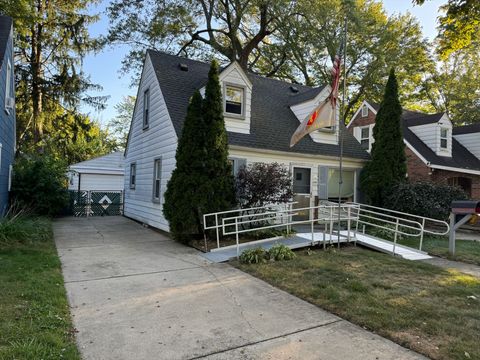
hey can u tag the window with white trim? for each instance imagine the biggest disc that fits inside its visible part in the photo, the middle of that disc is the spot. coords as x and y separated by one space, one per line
234 100
365 137
8 87
133 175
443 138
157 180
146 109
364 111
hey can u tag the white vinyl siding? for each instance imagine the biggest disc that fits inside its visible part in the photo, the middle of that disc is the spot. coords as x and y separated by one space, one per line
146 146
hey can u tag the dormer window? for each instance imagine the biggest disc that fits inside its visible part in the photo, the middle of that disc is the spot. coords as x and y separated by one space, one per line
443 138
364 111
234 100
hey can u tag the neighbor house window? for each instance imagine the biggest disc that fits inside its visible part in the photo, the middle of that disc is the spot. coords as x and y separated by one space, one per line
364 111
234 100
444 138
365 137
146 108
133 175
157 178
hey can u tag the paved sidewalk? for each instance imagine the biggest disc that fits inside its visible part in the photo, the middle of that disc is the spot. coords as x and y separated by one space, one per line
135 294
456 265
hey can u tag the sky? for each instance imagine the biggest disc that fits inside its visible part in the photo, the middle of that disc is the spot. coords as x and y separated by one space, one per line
103 68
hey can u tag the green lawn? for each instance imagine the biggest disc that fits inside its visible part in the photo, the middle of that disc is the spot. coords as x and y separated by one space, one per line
465 250
420 306
34 315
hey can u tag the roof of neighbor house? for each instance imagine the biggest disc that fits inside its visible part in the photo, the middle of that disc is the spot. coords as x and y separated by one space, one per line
5 27
110 163
461 157
466 129
272 121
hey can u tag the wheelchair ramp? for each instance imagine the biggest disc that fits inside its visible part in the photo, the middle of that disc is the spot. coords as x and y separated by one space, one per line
387 247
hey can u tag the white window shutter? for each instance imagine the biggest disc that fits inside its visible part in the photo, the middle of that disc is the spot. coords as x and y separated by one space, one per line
323 182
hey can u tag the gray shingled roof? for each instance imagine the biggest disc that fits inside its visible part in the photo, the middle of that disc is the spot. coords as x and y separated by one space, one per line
272 121
461 157
5 27
467 129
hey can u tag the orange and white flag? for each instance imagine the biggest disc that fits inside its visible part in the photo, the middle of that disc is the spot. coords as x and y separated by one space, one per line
324 114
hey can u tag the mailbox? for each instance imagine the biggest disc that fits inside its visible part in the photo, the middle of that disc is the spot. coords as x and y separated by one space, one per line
465 207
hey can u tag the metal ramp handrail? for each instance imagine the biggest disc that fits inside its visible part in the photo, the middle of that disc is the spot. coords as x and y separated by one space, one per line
422 219
386 219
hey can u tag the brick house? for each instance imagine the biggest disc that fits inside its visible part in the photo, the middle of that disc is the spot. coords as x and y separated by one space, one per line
436 151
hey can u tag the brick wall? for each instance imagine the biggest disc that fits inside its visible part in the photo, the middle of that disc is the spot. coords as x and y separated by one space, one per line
418 171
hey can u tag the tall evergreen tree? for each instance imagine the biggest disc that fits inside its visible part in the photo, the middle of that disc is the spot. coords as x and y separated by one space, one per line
221 185
388 165
183 199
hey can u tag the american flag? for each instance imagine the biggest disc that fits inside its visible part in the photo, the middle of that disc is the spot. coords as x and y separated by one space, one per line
323 115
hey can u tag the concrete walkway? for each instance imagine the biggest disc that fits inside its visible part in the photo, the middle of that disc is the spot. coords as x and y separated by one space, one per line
135 294
470 269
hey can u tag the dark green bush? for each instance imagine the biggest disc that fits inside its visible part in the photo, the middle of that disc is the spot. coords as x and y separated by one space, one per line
280 252
19 229
40 184
253 256
424 199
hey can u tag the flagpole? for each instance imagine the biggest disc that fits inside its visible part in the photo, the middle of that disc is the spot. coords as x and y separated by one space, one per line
340 128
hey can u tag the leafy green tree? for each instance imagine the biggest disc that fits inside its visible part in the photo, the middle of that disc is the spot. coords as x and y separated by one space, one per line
459 27
388 165
51 39
195 28
454 87
120 124
39 184
184 202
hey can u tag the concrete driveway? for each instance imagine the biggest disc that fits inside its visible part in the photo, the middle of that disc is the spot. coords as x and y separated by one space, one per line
135 294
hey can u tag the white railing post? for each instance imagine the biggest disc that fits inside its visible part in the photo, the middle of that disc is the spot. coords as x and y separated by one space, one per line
313 238
236 238
395 236
331 225
421 235
216 229
348 223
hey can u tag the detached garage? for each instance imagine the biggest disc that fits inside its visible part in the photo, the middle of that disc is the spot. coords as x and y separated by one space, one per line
104 173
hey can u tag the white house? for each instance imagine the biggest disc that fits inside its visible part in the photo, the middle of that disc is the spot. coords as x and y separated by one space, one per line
261 114
103 173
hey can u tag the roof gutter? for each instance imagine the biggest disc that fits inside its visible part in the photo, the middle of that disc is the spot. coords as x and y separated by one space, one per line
295 154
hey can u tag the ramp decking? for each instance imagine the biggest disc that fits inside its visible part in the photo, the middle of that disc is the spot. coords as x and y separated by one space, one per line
302 240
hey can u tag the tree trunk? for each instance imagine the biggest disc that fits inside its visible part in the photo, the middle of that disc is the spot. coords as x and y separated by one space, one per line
36 71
